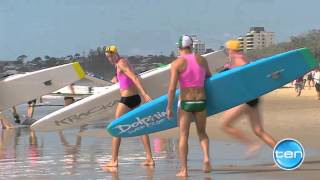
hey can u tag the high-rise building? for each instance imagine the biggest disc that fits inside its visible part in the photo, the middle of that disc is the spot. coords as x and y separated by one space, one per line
198 46
256 38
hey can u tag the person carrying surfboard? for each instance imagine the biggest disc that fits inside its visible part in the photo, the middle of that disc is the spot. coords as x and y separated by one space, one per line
317 82
130 86
190 70
251 108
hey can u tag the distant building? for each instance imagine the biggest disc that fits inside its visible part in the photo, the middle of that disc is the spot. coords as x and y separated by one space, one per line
198 46
256 38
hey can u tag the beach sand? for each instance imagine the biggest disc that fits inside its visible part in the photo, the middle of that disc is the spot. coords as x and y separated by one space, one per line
285 116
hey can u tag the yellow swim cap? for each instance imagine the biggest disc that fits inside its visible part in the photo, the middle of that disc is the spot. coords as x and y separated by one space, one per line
111 49
233 44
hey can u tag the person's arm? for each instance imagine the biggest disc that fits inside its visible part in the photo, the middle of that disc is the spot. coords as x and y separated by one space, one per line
206 66
174 72
127 71
114 79
71 87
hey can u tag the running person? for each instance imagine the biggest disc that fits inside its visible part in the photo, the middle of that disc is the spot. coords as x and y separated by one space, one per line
190 70
298 85
130 85
310 79
317 82
250 108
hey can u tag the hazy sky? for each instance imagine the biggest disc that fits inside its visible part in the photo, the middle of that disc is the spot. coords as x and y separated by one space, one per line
63 27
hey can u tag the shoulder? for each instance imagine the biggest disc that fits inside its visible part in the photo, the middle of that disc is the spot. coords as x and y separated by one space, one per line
201 60
177 62
198 56
122 63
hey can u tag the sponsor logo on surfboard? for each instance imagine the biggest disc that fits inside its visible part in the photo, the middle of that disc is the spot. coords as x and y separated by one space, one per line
142 123
276 74
84 115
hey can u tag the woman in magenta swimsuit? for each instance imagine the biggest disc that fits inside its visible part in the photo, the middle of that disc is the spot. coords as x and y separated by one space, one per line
130 85
190 70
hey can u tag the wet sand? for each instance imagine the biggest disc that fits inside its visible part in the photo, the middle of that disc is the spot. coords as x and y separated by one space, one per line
76 154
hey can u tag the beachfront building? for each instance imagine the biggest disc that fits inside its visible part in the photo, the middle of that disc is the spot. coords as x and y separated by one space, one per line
198 46
256 38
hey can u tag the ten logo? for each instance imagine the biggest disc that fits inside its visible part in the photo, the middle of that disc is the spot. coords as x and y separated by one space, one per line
288 154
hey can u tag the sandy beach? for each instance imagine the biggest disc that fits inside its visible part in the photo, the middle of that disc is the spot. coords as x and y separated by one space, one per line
285 116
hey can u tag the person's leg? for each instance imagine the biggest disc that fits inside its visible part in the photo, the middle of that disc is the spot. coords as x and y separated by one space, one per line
121 109
312 82
317 86
6 124
15 115
68 101
30 110
146 144
231 116
2 124
184 126
201 121
300 87
296 88
257 127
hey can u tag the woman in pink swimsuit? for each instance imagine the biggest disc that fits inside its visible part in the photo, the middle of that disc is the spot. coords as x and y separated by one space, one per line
130 85
190 70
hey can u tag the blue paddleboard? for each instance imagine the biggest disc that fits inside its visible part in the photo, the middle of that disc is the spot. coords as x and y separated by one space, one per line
224 91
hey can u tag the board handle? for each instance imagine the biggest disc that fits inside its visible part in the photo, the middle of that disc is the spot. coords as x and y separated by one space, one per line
48 83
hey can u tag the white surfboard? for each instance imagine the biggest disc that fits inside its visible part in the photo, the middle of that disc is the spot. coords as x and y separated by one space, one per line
102 106
78 90
20 88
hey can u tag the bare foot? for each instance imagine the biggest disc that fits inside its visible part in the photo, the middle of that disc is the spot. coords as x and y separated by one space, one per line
109 169
207 167
111 164
182 173
252 150
149 162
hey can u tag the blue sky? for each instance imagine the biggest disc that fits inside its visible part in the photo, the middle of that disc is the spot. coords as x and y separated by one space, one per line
63 27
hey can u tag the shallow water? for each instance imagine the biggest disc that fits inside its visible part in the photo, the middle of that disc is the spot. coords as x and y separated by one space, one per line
67 155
